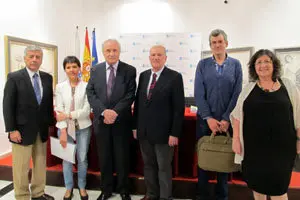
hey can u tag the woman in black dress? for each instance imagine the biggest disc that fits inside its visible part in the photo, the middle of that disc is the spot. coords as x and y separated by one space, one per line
266 129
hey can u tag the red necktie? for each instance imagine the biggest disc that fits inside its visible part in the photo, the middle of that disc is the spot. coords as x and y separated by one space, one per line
152 85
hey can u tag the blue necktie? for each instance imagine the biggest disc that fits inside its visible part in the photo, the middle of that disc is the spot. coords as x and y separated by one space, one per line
36 87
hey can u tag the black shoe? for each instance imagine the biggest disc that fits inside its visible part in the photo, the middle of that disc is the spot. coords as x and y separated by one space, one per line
70 197
149 198
43 197
84 197
198 197
104 196
125 196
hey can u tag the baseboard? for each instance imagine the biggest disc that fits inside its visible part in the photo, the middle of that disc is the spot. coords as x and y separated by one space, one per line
5 154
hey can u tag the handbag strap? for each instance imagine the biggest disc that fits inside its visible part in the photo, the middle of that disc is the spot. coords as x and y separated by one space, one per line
212 136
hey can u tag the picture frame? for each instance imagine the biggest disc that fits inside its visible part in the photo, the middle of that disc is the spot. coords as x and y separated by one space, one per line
243 54
290 62
14 55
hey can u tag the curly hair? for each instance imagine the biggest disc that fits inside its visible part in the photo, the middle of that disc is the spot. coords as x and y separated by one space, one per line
275 61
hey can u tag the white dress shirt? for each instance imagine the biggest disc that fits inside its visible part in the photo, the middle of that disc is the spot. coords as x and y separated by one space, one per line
157 76
115 66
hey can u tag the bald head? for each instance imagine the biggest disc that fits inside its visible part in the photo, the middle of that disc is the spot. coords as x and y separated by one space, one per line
157 57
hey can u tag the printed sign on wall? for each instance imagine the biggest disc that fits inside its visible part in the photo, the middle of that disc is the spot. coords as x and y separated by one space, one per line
183 52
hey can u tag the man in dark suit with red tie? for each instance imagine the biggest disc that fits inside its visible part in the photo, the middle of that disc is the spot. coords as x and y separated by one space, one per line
28 113
158 119
111 91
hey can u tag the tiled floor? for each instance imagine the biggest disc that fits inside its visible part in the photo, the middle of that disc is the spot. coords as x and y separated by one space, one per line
58 192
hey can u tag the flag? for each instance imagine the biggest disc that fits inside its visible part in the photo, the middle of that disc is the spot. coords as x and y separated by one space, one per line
94 50
77 44
77 47
86 65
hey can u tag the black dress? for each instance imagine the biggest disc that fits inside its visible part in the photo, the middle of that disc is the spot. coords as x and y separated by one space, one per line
269 141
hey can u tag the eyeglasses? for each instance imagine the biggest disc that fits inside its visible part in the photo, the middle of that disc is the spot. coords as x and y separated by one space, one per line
266 62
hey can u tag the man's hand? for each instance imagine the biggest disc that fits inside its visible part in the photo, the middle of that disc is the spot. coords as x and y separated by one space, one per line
298 146
61 116
173 141
214 125
63 137
109 116
15 136
134 134
224 125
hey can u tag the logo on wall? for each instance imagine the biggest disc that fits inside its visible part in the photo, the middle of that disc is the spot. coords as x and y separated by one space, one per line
136 58
136 43
145 66
192 66
170 51
193 50
183 58
183 43
170 35
193 35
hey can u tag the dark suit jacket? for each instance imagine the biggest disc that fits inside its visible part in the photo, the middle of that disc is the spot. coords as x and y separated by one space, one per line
161 116
122 96
21 110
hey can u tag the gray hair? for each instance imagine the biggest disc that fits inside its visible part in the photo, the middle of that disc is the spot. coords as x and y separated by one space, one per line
159 46
111 40
32 48
216 33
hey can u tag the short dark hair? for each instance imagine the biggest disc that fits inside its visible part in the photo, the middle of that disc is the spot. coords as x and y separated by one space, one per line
275 61
71 59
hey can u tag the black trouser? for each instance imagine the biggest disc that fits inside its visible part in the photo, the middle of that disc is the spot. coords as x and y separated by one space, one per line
157 169
113 150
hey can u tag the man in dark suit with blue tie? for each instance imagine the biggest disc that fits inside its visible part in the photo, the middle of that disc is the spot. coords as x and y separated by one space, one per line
158 118
111 91
28 113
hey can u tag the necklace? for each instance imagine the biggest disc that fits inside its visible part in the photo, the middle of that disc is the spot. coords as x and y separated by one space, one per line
272 89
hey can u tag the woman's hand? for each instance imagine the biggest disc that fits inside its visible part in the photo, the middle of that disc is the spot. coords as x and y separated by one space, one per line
63 137
236 145
60 116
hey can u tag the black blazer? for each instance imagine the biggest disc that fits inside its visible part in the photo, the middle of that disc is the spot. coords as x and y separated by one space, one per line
21 110
161 116
122 96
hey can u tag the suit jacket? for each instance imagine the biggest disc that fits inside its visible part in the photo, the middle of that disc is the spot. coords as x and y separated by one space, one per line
20 107
122 96
63 99
161 116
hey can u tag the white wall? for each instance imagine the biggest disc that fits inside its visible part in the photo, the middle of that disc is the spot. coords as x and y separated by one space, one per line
48 21
258 23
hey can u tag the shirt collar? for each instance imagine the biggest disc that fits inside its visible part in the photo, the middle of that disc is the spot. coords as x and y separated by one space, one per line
115 66
158 72
31 73
226 58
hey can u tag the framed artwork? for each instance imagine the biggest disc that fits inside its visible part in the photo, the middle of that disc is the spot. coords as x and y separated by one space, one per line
243 54
14 55
290 61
